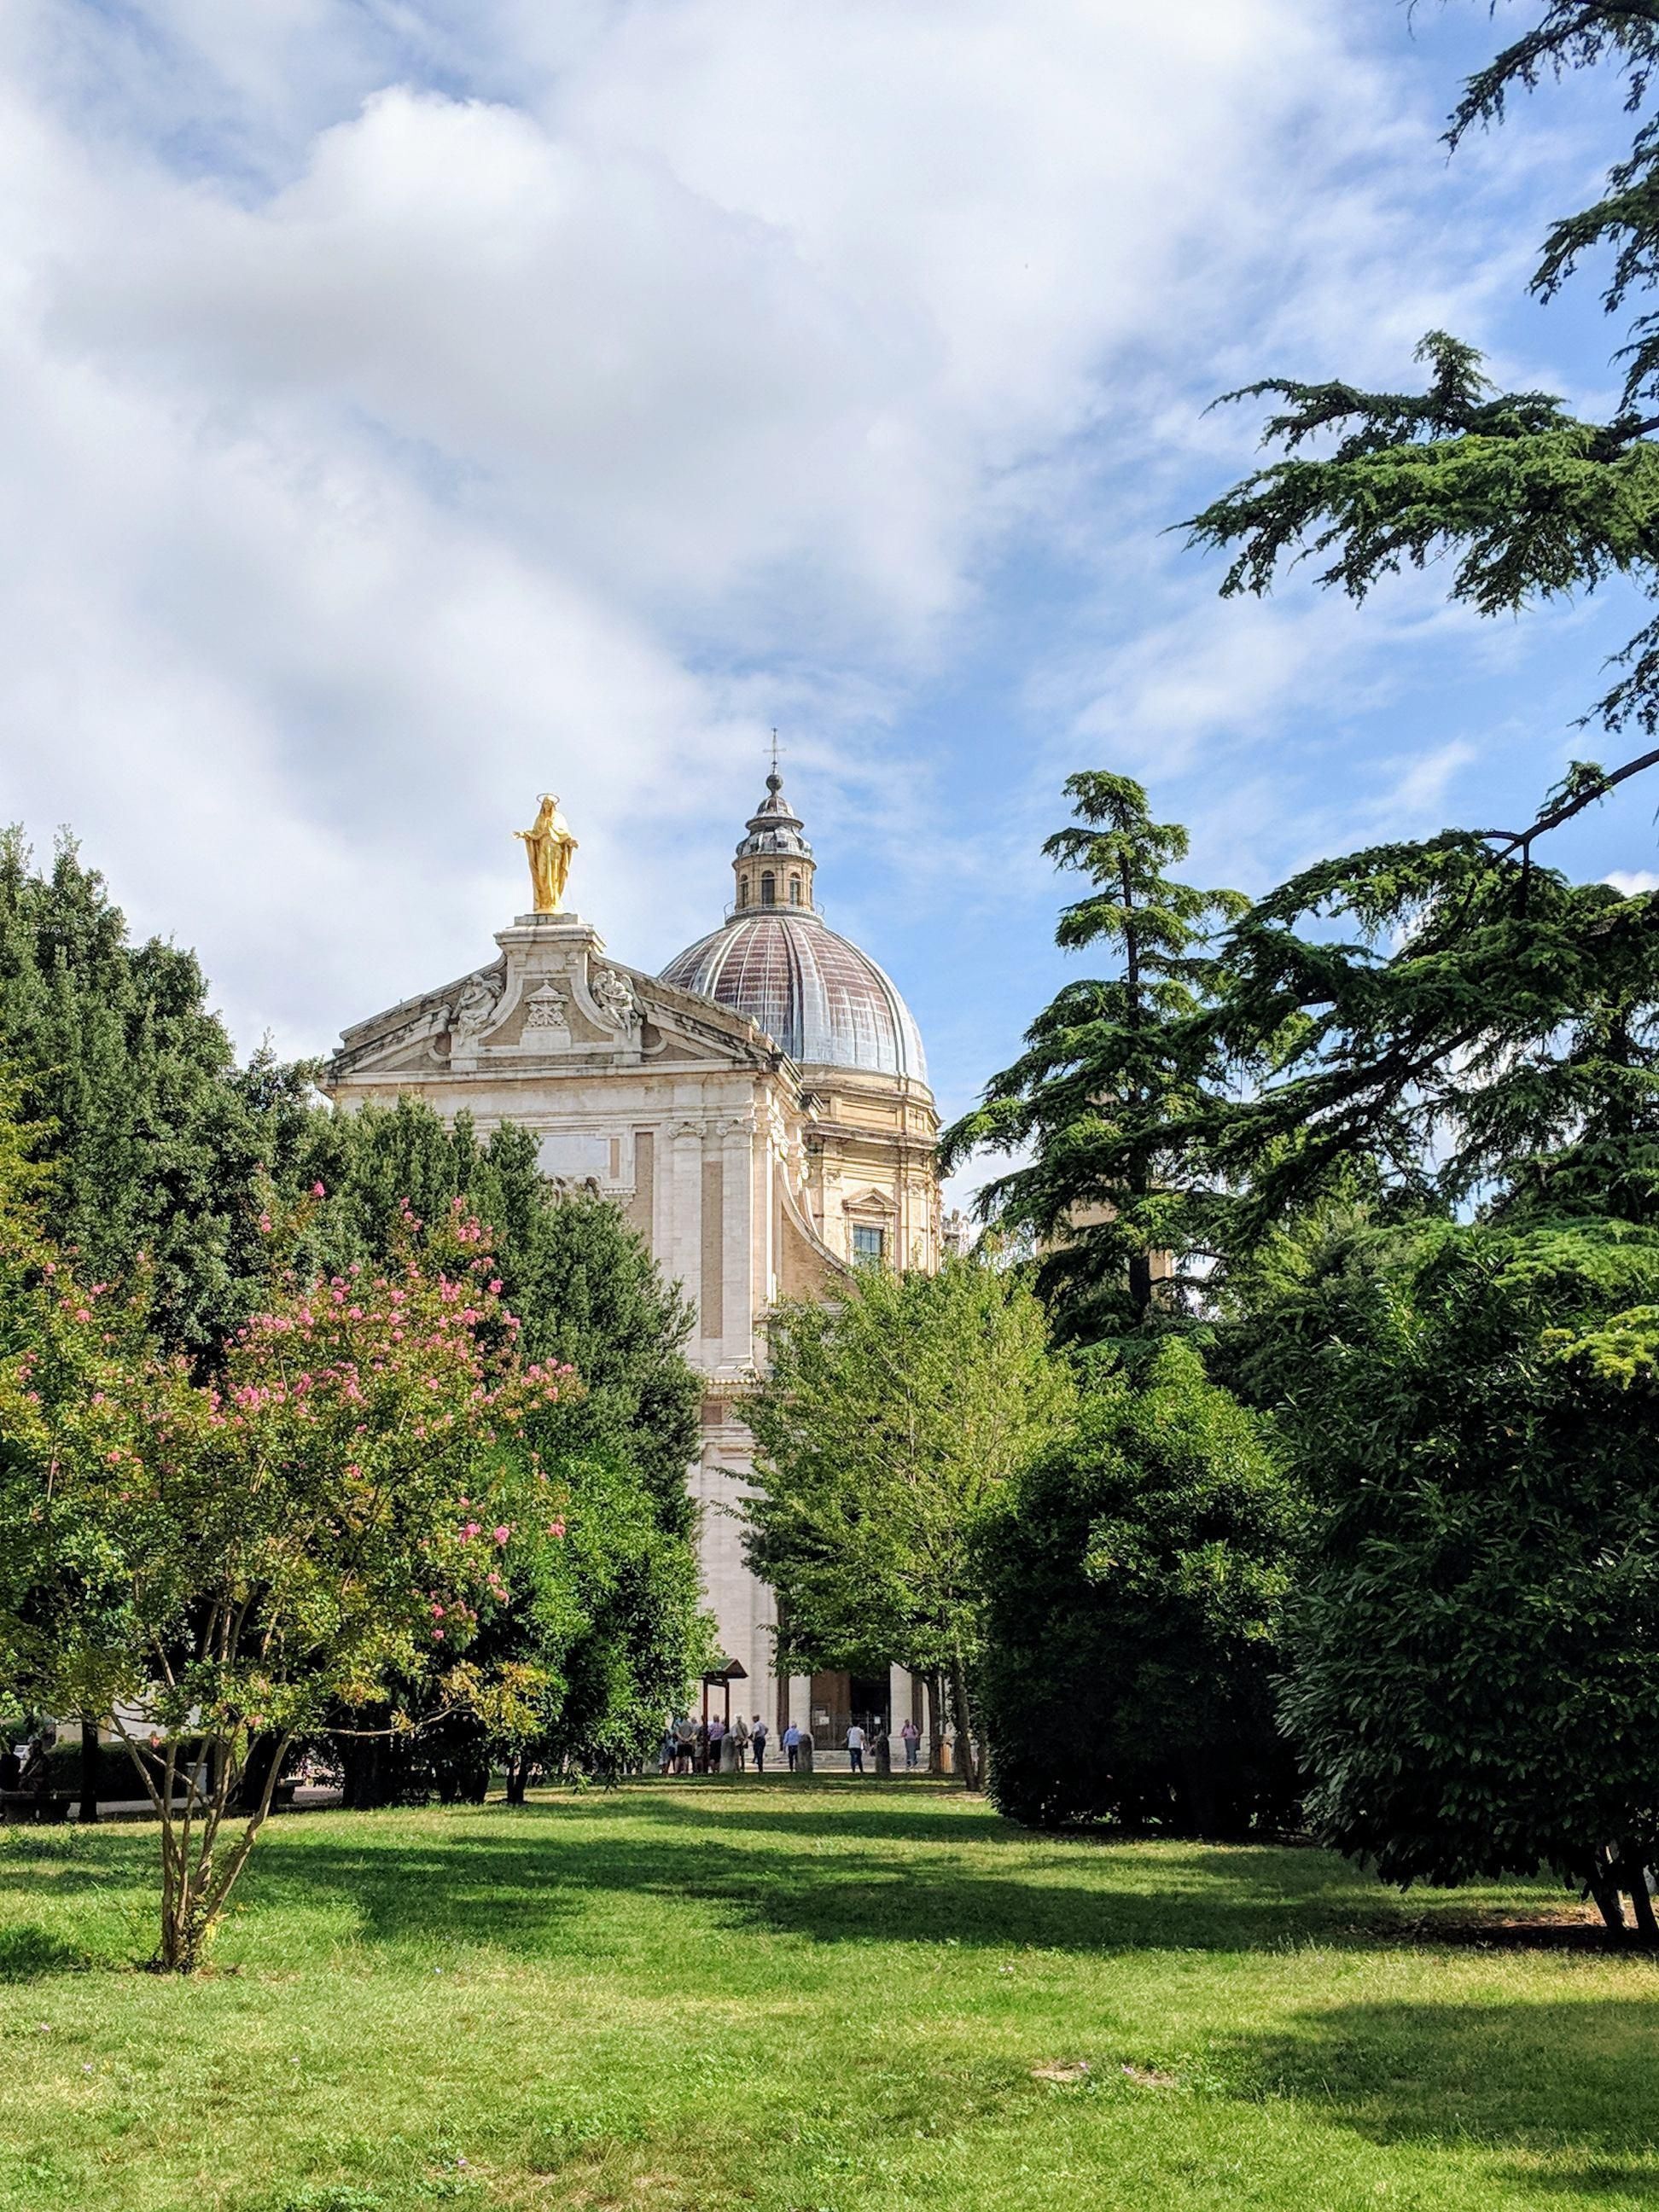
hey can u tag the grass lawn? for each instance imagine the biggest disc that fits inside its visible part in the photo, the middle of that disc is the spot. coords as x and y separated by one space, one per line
792 1995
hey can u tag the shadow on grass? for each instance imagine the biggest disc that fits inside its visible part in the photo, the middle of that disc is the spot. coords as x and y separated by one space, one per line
824 1810
514 1878
1575 2084
552 1876
30 1955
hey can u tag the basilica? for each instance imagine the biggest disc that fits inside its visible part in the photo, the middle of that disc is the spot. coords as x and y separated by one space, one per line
759 1110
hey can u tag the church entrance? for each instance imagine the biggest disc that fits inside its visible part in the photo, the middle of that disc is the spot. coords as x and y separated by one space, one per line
838 1699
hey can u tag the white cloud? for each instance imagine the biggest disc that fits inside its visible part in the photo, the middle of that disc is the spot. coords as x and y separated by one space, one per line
402 417
1632 882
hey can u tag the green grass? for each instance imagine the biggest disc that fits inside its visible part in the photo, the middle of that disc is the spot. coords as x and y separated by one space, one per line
786 1996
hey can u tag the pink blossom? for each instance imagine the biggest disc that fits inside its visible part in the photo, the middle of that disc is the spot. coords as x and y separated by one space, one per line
437 1636
502 1533
317 1191
494 1286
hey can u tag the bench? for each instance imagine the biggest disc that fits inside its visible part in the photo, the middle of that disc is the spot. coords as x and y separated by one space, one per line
49 1809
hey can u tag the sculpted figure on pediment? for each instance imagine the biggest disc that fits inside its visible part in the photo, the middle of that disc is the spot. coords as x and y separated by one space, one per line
613 995
476 1008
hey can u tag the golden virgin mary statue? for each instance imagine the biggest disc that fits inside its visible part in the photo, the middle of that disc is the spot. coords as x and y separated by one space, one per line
548 847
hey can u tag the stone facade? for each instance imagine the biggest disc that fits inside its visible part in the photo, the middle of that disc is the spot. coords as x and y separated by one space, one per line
752 1173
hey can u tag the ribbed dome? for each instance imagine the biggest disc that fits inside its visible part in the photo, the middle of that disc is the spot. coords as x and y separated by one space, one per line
820 998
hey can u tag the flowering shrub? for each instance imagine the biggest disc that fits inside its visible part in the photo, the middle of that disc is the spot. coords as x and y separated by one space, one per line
336 1512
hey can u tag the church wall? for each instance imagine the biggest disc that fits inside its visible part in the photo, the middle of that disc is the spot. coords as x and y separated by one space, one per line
684 1115
640 1199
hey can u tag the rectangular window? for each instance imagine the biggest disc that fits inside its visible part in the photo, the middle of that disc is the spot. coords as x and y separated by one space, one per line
868 1243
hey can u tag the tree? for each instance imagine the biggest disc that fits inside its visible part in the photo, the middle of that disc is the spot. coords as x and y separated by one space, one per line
1484 1032
1111 1068
887 1424
616 1638
1534 502
231 1562
585 1286
1475 1685
152 1135
1135 1574
599 1642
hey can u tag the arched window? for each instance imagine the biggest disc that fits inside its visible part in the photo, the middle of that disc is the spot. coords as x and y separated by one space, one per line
768 888
795 891
743 892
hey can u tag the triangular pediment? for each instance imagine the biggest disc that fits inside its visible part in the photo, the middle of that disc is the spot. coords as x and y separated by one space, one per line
554 1001
875 1203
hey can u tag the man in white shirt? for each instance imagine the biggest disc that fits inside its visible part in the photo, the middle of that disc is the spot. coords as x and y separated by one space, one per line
856 1748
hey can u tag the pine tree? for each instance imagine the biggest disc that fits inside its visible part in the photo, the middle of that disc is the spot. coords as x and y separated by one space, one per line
1114 1067
1483 1032
1530 500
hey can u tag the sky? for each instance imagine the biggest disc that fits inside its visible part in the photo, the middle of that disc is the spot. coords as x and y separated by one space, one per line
410 409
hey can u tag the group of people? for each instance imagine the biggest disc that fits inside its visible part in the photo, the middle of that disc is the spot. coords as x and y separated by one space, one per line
716 1746
719 1747
878 1743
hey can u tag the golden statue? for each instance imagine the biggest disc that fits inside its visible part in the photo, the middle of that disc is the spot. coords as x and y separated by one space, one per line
548 847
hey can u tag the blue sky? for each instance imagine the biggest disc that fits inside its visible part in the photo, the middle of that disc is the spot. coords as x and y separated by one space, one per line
410 408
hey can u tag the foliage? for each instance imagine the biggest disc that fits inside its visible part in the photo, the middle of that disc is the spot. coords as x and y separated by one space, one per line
1136 1575
614 1639
1482 1029
583 1284
152 1136
231 1561
600 1641
1531 501
1476 1685
1112 1069
887 1424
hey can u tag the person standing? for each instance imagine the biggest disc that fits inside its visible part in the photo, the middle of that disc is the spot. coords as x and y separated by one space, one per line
716 1753
741 1738
758 1736
856 1748
685 1736
911 1737
670 1750
791 1744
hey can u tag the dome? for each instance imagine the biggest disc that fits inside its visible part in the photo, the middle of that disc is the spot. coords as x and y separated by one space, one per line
825 1002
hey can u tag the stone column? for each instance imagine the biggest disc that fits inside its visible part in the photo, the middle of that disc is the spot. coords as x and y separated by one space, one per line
742 1304
683 1198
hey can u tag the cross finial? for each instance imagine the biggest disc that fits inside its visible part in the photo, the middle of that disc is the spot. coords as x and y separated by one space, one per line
775 752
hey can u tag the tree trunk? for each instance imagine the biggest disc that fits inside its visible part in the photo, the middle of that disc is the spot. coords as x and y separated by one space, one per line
255 1769
1636 1881
195 1891
1604 1888
968 1766
88 1769
518 1776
